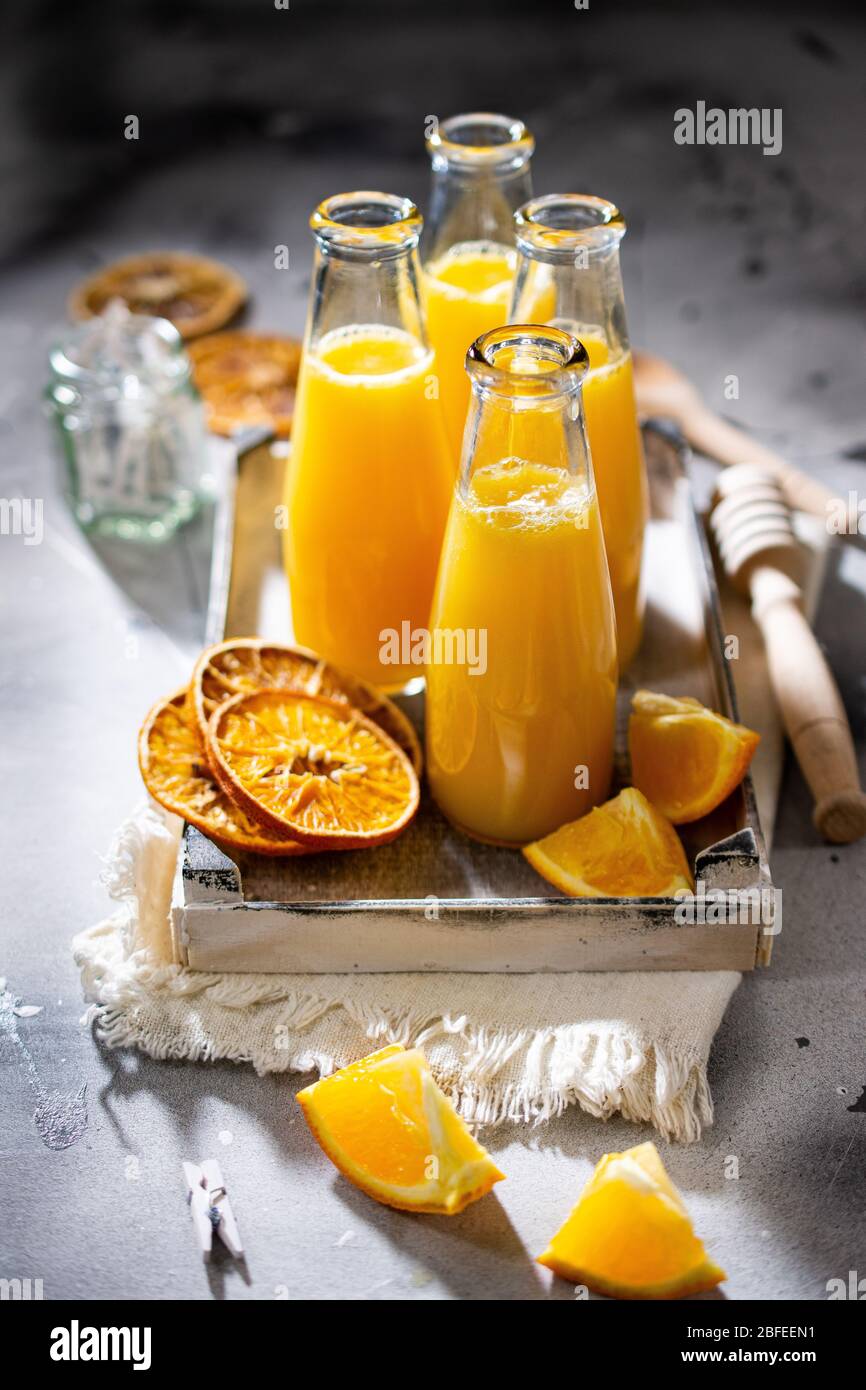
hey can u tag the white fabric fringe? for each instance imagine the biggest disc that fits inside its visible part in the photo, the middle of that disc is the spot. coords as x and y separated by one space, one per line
504 1047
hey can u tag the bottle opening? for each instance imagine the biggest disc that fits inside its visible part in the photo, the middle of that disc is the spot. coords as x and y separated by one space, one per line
481 140
368 221
534 358
560 224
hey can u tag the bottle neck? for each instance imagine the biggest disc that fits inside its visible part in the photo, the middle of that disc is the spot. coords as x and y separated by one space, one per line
348 290
476 205
526 406
582 296
568 269
365 271
481 175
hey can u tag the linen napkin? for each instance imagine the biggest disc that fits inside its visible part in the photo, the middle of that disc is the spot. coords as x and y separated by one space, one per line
503 1047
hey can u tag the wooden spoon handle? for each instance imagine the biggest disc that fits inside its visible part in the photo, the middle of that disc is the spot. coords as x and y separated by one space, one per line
811 707
726 444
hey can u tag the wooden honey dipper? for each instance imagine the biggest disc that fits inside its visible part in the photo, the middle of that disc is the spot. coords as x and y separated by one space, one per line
664 390
752 527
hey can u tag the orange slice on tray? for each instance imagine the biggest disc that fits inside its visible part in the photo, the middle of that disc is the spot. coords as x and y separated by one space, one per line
247 379
175 773
245 664
623 849
630 1235
389 1129
195 293
684 757
312 768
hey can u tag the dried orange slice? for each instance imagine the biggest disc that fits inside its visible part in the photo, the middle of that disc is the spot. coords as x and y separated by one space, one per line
630 1235
247 379
176 775
245 664
258 359
195 293
389 1129
623 849
684 757
312 768
238 406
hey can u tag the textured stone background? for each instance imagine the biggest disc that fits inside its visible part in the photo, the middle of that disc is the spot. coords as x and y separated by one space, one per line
734 263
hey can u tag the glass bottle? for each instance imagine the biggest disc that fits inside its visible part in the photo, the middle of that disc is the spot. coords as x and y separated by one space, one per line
369 480
131 425
568 274
522 676
480 176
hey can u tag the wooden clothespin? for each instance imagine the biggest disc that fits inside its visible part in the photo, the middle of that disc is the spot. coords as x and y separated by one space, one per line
211 1208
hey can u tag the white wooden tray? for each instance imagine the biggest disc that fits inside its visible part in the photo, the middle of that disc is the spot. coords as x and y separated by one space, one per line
435 900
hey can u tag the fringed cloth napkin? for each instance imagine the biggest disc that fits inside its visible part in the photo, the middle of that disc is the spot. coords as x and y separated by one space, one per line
504 1047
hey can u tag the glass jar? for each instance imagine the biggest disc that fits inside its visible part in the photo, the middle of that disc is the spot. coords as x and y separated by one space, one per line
131 424
369 481
521 684
568 274
480 174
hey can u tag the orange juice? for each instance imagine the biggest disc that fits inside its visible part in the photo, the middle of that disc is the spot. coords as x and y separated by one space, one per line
568 243
524 745
617 461
367 493
467 291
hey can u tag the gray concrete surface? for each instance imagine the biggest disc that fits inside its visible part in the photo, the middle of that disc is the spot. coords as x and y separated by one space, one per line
735 263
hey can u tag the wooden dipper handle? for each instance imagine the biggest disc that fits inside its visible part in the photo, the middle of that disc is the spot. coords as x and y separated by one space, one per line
757 545
713 436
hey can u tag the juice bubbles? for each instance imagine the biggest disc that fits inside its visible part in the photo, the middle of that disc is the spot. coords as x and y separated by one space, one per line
520 740
569 263
480 176
369 481
467 292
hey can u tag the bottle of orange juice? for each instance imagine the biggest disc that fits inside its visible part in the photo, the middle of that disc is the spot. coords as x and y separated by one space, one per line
522 673
569 274
480 176
369 480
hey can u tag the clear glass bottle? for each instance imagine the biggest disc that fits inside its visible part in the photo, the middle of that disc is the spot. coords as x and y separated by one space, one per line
480 175
369 480
131 424
521 683
568 274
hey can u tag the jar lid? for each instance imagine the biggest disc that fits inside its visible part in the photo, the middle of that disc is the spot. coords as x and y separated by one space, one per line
109 350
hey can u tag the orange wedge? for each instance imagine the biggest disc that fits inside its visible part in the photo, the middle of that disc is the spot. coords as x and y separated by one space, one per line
623 849
630 1235
246 664
389 1129
175 773
313 769
684 757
